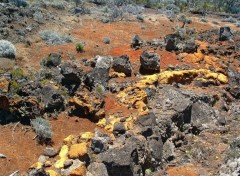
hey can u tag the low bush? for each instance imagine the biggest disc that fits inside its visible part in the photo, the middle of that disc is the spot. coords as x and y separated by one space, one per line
238 24
80 47
42 129
19 3
106 40
38 17
7 49
100 90
204 20
53 38
134 9
230 20
99 2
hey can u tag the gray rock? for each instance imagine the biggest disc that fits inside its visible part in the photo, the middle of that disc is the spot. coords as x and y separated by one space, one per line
100 74
225 33
168 151
146 124
150 61
51 152
67 163
120 160
76 163
234 111
42 159
119 128
189 47
37 172
122 65
202 114
155 151
172 40
137 42
72 75
52 99
97 169
52 60
99 144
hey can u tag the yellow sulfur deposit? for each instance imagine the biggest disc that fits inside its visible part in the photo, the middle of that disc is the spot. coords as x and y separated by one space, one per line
63 157
87 136
52 173
77 150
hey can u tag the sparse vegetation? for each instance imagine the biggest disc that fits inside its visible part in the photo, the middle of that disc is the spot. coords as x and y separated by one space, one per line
42 129
14 87
106 40
185 20
100 90
7 49
80 47
53 38
19 3
238 24
230 19
17 74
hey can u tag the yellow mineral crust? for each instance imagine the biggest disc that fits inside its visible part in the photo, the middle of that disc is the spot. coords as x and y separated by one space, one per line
63 157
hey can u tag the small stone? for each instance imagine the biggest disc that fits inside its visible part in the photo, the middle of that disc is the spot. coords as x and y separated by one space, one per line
48 164
42 159
119 128
2 156
67 163
51 152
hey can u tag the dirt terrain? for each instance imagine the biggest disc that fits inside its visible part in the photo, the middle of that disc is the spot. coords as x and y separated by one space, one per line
199 80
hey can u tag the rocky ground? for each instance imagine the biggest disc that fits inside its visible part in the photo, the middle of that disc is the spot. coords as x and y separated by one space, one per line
82 93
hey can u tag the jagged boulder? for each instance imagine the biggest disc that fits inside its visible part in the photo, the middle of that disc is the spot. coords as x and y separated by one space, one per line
37 172
201 115
172 41
137 42
234 82
225 33
53 101
154 151
189 47
121 160
52 60
97 169
100 74
146 124
122 65
100 143
150 61
234 111
72 75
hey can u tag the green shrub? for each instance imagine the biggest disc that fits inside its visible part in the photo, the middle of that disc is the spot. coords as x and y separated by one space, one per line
17 74
14 87
99 90
80 47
